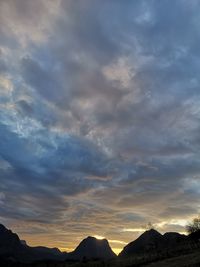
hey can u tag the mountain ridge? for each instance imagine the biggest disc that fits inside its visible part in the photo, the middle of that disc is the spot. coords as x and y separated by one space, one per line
90 248
151 240
13 248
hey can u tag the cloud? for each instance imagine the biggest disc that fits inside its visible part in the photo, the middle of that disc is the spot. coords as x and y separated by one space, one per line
99 117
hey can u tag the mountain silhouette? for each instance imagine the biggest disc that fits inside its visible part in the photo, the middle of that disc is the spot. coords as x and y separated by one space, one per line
10 244
15 250
11 247
152 240
149 240
92 248
172 239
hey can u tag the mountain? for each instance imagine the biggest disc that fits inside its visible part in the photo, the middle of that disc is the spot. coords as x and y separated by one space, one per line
14 249
152 240
149 240
23 242
45 253
172 239
10 244
92 248
11 247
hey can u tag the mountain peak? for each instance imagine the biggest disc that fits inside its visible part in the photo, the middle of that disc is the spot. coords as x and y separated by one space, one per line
95 240
93 248
149 240
151 232
152 240
91 238
12 246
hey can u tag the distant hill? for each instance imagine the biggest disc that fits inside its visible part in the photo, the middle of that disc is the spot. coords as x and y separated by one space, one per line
151 241
92 248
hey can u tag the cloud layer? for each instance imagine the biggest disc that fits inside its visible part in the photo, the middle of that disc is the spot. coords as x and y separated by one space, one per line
100 118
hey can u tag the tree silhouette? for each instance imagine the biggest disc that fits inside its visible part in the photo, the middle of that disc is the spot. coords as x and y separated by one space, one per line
193 229
149 226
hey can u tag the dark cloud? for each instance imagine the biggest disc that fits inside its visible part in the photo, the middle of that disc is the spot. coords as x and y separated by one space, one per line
40 79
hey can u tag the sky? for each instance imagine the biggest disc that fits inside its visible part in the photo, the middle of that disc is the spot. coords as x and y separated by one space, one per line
99 118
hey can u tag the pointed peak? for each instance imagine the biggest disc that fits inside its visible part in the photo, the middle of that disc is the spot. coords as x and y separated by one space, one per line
93 248
91 237
93 240
152 232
